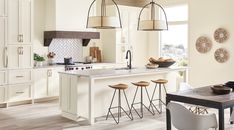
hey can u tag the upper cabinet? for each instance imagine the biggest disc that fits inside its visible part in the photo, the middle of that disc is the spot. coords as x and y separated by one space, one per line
2 42
19 21
3 8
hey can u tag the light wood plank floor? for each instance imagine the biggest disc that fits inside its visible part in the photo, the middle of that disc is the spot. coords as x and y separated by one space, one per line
46 116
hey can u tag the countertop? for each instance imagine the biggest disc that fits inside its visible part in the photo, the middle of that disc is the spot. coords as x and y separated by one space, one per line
92 64
101 73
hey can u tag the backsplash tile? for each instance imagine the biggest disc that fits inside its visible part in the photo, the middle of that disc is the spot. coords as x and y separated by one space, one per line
64 48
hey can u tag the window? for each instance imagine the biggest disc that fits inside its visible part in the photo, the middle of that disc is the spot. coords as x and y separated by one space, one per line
174 42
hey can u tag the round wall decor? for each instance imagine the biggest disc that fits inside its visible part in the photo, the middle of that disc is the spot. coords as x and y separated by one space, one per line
203 44
221 55
221 35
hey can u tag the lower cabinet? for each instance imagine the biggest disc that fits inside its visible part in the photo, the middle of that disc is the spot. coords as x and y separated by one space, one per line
19 92
3 95
46 82
3 76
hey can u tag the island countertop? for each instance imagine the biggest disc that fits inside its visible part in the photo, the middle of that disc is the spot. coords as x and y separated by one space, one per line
101 73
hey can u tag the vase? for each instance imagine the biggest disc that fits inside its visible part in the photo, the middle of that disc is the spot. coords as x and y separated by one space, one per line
50 61
39 63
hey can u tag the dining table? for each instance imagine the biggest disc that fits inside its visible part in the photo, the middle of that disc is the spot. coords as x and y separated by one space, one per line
202 96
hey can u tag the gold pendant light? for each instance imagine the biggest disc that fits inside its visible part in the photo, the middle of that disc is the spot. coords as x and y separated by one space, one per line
152 24
103 21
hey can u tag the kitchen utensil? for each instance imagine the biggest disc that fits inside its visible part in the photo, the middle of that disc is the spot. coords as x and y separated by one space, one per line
68 61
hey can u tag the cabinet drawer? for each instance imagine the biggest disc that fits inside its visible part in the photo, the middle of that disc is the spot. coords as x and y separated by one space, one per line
20 76
19 92
2 94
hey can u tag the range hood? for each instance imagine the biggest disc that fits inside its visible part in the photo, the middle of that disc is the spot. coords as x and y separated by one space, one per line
85 36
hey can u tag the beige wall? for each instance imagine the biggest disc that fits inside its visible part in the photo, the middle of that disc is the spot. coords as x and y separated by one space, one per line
205 17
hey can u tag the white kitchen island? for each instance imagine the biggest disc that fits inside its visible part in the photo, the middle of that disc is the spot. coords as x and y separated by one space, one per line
85 94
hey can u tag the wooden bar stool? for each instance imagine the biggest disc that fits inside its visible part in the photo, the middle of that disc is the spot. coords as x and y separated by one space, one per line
160 82
118 87
141 85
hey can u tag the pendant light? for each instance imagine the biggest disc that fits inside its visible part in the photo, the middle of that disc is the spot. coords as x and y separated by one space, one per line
103 21
153 24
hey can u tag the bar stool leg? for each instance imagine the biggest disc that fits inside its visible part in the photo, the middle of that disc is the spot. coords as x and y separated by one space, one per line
130 114
132 105
160 98
141 103
152 99
119 106
110 105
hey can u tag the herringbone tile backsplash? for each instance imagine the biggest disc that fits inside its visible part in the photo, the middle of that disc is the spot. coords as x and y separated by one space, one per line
65 48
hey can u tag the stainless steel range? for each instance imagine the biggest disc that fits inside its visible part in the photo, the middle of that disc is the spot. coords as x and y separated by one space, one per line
77 66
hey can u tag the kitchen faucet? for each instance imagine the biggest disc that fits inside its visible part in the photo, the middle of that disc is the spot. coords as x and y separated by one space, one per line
129 57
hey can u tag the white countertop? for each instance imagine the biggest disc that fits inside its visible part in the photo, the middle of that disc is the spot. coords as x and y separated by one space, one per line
102 73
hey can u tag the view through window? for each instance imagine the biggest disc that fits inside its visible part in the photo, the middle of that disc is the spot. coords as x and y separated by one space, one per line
174 42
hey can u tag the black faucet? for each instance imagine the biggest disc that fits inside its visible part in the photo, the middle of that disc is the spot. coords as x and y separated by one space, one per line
129 64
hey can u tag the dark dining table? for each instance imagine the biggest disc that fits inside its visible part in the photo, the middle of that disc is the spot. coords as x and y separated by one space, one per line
203 97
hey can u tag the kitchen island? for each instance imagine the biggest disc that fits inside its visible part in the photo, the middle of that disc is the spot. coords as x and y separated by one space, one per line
85 94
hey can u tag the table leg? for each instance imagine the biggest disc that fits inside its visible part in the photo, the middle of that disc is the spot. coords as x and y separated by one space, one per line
168 116
231 110
91 100
221 119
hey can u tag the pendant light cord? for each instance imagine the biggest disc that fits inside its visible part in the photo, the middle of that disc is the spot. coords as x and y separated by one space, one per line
103 8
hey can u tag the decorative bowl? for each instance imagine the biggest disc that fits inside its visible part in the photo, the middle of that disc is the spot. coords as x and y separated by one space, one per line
230 84
221 89
154 66
164 64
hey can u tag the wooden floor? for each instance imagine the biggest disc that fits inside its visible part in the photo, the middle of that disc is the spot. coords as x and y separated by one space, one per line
46 116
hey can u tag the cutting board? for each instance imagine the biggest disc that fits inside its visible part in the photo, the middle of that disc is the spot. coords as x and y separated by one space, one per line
95 52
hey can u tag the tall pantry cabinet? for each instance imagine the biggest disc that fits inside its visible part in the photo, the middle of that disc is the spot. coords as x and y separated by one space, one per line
16 53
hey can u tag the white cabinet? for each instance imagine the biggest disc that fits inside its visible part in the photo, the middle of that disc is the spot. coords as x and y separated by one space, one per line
53 81
20 92
3 78
3 23
20 76
46 82
3 8
19 21
40 83
3 94
20 57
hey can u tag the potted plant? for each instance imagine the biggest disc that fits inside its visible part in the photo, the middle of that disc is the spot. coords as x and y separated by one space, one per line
50 57
38 59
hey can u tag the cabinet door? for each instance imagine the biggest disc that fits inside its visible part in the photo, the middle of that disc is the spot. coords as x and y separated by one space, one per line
13 56
3 8
2 42
20 21
2 94
13 21
26 58
40 83
3 77
19 57
53 81
25 21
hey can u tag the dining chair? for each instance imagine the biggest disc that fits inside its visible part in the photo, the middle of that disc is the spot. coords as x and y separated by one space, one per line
193 108
183 119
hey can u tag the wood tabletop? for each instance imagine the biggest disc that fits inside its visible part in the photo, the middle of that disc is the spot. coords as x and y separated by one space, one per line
203 94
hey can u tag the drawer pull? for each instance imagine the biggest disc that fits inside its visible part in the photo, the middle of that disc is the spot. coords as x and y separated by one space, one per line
19 76
19 92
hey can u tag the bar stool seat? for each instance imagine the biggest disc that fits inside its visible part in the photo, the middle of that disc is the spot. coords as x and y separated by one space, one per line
119 87
160 81
141 85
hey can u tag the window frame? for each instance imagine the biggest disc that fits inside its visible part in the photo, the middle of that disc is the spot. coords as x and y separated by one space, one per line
177 23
